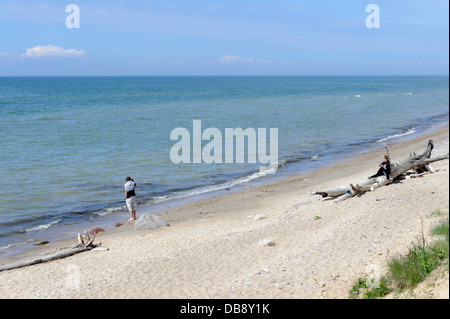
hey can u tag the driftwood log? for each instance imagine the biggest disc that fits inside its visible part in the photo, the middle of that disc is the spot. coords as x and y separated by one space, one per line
413 166
85 243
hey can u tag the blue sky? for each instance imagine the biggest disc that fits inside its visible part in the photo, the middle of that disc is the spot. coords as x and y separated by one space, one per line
212 37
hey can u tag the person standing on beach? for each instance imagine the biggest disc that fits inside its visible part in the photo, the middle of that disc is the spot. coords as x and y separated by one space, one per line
130 196
385 168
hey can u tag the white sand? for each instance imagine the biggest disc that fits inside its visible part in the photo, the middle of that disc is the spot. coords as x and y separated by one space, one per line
211 248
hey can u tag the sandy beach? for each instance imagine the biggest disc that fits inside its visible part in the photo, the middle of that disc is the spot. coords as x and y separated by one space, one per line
211 248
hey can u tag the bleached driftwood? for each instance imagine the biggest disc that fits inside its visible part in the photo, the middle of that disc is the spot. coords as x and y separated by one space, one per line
412 166
85 243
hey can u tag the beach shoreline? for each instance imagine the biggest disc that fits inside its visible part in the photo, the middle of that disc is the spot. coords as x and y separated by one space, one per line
221 222
79 151
58 232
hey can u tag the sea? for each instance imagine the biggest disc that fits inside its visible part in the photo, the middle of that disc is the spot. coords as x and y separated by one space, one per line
67 143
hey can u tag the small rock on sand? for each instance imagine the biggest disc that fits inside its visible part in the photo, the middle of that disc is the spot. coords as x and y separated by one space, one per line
266 242
259 217
150 221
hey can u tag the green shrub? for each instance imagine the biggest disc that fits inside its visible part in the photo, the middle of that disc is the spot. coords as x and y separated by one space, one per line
422 258
364 290
406 271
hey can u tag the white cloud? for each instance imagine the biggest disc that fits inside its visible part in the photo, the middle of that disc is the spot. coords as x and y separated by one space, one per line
233 58
236 59
54 51
8 55
264 61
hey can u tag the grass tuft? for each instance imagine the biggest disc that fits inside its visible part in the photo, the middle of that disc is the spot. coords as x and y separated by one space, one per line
406 271
371 290
409 270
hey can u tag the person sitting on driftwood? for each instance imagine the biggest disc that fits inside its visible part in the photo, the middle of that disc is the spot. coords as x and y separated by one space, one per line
385 168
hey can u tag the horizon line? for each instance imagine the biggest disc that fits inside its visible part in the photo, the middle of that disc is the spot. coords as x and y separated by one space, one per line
224 75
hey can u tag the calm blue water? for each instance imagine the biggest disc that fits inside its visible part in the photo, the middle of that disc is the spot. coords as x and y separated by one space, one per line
67 143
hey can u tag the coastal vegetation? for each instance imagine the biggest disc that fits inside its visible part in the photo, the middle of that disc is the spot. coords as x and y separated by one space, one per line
407 270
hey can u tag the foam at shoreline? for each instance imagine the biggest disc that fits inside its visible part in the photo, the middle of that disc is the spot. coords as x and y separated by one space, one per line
115 215
211 249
